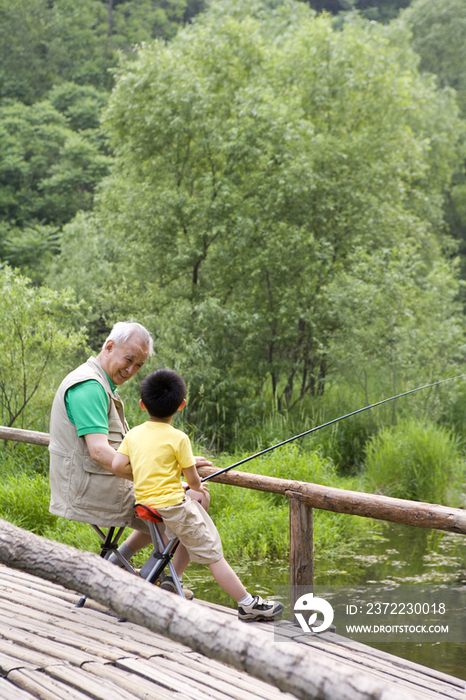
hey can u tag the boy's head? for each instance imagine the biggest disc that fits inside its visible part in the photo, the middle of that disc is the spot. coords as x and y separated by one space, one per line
162 393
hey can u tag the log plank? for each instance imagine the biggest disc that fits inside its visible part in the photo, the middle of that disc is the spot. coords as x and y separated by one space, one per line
176 668
193 660
171 679
41 686
9 691
79 680
25 647
140 687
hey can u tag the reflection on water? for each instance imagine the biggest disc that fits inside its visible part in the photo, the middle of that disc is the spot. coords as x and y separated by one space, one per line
401 555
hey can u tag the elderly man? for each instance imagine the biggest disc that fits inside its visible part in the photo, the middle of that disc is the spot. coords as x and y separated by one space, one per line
87 424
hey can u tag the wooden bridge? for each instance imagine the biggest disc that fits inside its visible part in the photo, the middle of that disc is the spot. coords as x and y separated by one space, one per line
51 650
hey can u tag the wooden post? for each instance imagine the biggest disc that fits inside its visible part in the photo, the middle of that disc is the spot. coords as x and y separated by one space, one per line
301 549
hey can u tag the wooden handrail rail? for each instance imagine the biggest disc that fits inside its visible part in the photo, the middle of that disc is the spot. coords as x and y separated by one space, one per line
367 505
33 437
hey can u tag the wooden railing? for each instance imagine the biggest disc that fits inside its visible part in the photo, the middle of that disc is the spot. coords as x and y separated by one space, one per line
303 497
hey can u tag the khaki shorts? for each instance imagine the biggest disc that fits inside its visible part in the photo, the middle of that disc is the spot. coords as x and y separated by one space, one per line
194 528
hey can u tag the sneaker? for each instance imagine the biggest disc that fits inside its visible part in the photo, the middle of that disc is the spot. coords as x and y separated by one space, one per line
260 610
169 585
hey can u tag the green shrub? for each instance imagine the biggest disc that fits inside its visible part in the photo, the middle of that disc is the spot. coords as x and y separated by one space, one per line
416 460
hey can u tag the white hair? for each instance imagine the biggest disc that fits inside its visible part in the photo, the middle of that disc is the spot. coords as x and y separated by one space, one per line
123 331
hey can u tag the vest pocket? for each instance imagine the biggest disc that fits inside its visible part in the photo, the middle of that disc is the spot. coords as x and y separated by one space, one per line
98 489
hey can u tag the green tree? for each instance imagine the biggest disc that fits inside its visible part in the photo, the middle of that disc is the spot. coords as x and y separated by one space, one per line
438 37
40 333
438 31
379 10
82 105
398 316
255 156
44 42
47 173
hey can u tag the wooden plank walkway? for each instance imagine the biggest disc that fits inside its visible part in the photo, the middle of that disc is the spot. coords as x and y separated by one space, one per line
51 650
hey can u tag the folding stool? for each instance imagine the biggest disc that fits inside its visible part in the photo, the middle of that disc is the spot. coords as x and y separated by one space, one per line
109 544
162 554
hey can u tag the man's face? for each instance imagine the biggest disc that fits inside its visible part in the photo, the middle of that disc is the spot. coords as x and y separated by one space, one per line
121 362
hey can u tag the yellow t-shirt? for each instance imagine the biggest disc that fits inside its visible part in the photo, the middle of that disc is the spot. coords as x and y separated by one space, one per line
157 453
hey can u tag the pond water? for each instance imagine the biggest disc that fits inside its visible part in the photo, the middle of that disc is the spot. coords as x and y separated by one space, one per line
399 555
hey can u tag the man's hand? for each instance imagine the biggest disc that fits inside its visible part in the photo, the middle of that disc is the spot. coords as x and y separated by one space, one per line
202 462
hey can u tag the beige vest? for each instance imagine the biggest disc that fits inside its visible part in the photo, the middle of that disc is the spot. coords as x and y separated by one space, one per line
80 488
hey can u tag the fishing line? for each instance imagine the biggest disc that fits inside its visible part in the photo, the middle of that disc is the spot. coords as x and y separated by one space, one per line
331 422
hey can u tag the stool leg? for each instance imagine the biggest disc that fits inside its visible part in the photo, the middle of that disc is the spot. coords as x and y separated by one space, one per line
108 546
163 554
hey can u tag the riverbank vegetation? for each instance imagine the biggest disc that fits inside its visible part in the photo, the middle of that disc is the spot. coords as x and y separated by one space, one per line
278 193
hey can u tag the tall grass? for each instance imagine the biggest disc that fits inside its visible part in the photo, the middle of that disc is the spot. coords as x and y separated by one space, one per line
25 497
416 460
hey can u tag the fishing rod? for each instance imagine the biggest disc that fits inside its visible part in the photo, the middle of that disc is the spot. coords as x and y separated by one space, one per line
324 425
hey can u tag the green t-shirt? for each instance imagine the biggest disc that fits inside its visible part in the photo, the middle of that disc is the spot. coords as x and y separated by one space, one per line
87 407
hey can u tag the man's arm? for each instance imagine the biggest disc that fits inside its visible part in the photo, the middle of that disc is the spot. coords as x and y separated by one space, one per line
100 450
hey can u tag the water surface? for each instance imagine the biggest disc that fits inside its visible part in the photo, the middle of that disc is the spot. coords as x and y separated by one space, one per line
399 555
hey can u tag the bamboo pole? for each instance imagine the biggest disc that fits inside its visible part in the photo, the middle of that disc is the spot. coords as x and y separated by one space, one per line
293 668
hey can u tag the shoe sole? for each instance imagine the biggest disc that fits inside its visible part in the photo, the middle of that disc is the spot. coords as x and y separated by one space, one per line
261 618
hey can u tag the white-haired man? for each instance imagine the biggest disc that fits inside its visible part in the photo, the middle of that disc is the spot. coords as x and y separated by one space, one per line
87 425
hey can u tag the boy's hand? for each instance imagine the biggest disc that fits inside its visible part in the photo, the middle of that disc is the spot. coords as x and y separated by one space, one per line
204 491
121 466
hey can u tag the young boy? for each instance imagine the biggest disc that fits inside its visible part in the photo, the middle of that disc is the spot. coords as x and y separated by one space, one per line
156 453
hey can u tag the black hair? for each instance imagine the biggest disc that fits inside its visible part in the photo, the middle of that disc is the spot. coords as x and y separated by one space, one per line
162 393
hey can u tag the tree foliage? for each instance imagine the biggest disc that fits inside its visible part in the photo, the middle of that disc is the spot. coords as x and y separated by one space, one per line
438 37
260 157
438 31
379 10
48 172
39 332
43 42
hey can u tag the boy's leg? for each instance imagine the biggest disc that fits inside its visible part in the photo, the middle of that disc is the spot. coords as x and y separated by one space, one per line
250 608
227 579
181 558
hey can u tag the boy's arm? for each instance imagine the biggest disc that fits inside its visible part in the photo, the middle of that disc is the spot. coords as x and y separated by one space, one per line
121 466
194 480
